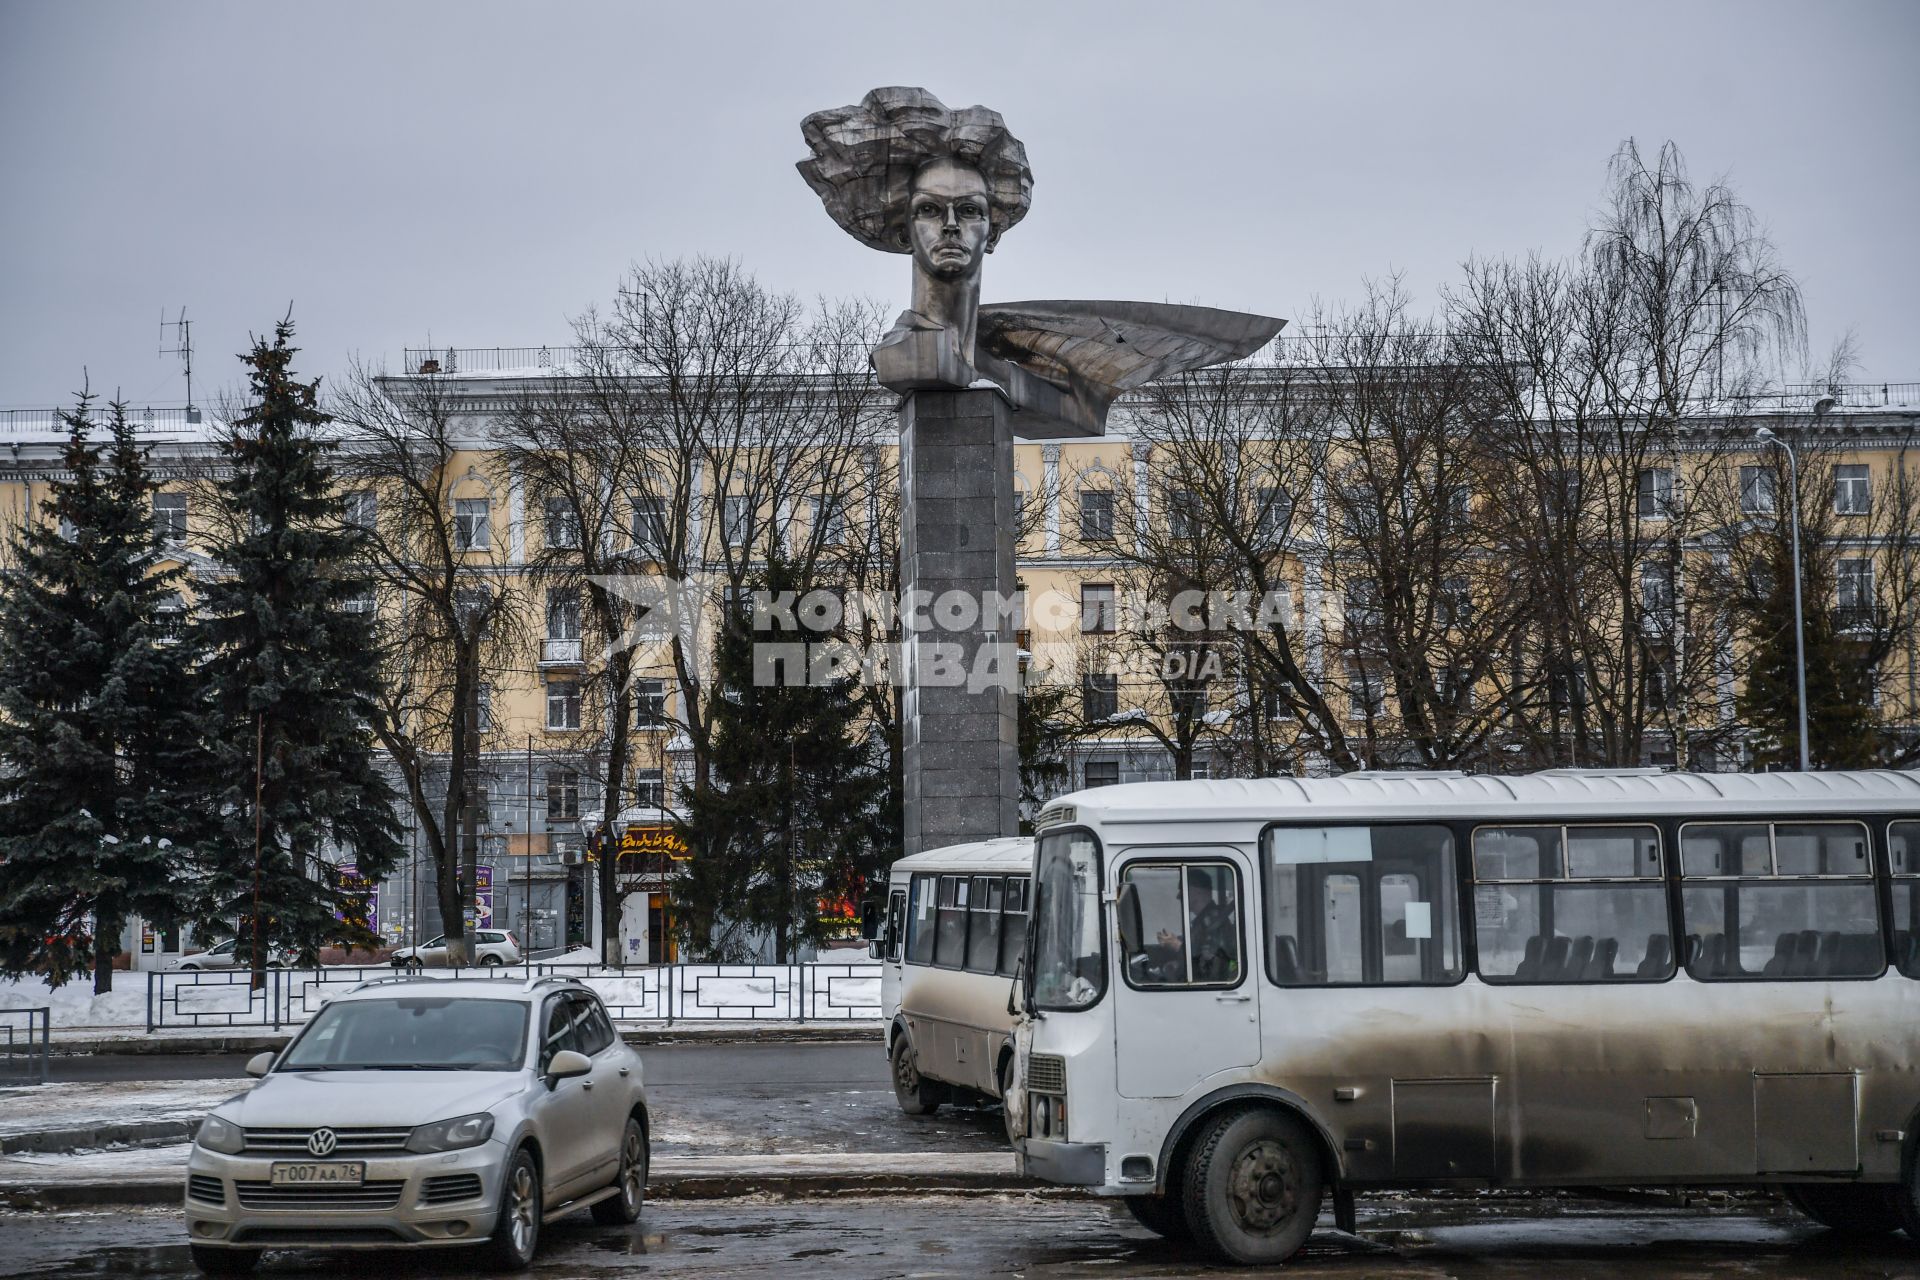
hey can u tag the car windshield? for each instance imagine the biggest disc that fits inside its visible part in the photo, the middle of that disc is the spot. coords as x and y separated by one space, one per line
428 1033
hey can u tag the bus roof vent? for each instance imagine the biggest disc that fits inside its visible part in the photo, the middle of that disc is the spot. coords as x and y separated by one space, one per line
1370 775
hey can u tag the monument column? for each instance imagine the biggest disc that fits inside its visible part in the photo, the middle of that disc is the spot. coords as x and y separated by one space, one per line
960 726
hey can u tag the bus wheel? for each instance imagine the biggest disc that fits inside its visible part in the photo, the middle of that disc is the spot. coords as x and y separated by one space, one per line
1253 1187
917 1095
1006 1087
1870 1210
1162 1215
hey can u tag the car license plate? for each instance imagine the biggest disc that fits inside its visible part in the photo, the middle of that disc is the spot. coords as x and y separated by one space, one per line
318 1175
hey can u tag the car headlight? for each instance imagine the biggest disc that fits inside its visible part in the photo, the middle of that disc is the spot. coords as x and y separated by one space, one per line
220 1135
452 1135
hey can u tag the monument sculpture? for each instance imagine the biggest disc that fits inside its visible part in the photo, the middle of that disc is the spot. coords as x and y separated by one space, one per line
902 173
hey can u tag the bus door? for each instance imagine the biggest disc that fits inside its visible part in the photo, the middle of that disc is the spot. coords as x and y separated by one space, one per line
892 948
1186 1003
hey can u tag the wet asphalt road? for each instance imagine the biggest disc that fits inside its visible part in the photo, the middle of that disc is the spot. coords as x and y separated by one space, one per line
1038 1235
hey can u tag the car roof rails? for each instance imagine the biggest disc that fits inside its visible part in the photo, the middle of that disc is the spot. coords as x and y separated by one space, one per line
386 979
539 978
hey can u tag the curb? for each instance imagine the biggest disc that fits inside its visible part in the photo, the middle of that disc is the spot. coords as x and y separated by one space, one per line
778 1033
138 1134
663 1186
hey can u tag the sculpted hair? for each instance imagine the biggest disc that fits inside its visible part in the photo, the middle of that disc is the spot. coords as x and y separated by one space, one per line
865 158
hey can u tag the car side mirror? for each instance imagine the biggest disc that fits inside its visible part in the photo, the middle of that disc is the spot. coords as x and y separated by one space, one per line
260 1063
871 915
567 1064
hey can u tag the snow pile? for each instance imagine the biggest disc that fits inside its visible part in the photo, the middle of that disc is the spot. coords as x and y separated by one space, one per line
579 955
75 1005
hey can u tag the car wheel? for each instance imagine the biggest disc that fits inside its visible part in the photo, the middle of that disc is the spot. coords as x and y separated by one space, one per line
1162 1215
917 1095
224 1262
414 965
516 1229
618 1210
1870 1210
490 962
1252 1187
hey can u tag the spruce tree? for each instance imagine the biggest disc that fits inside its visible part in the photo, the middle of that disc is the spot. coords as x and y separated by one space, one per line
790 827
93 704
288 674
1842 731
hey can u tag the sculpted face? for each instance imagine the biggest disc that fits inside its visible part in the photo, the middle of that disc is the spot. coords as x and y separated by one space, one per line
947 220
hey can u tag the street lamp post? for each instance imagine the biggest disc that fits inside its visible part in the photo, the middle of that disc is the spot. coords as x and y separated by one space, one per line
1766 436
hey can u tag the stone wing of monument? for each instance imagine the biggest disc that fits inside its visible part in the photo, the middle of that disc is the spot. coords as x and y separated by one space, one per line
1093 351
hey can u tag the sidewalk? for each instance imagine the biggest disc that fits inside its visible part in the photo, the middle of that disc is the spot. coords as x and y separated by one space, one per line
201 1040
157 1175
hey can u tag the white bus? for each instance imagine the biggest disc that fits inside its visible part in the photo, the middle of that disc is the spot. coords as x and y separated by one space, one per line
952 933
1240 995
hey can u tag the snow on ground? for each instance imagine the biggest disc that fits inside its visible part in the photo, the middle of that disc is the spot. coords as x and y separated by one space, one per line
42 1108
75 1004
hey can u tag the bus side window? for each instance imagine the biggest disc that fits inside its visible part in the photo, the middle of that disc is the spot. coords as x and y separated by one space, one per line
1781 901
1360 906
1555 903
896 923
983 923
920 933
1903 842
1180 925
1013 928
950 952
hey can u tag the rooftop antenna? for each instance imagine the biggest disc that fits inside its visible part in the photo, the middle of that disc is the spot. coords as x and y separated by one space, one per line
182 347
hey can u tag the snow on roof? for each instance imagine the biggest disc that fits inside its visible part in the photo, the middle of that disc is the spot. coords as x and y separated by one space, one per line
1003 851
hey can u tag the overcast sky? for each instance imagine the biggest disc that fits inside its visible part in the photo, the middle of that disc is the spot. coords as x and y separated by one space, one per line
472 174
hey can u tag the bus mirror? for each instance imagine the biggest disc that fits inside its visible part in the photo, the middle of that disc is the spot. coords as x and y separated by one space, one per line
1130 923
870 918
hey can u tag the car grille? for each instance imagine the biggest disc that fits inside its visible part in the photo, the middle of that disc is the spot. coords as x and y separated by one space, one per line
293 1237
1046 1073
205 1187
368 1195
449 1188
346 1142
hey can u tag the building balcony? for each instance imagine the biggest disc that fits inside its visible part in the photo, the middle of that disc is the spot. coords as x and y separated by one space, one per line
560 653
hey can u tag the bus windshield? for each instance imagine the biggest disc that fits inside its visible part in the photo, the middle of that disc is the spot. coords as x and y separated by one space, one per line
1070 961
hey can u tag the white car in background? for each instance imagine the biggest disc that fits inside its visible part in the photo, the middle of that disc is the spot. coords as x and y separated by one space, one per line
222 956
490 947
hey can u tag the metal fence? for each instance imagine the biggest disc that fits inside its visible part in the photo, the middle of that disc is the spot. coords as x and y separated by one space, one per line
25 1036
819 992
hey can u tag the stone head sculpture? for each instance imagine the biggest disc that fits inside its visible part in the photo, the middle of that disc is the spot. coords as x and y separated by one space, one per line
902 173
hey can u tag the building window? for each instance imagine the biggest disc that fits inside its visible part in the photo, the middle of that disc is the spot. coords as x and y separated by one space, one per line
1853 585
1366 692
471 607
736 520
483 699
1363 605
1852 490
1656 493
1100 696
650 527
563 614
170 617
1455 685
1103 773
1359 514
1097 609
827 518
649 790
1455 602
563 525
1183 513
1199 770
1188 702
1096 515
1563 494
650 701
1756 491
1273 509
1656 598
563 795
563 704
472 525
1566 687
170 518
358 598
361 509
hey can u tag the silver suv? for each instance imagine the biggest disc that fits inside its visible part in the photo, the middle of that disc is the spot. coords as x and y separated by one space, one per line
425 1112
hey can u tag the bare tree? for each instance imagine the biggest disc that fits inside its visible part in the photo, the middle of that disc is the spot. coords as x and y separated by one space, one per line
1611 377
427 497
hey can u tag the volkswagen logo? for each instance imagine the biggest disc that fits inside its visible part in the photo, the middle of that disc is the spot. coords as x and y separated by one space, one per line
320 1142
